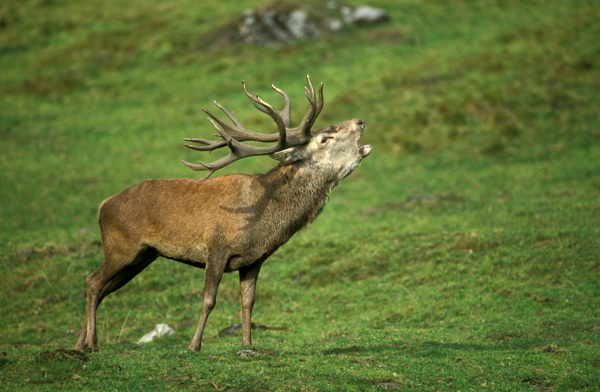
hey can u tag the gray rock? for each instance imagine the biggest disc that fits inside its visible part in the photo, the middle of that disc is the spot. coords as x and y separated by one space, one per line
284 22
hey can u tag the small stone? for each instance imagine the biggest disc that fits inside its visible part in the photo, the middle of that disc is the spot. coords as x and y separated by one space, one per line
246 353
160 330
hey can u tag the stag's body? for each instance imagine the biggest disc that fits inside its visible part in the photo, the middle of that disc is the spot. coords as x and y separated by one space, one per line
224 224
268 210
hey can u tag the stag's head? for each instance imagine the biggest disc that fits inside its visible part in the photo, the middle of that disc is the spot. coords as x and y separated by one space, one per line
334 150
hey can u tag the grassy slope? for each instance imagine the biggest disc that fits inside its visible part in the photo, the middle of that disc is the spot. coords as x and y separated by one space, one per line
463 254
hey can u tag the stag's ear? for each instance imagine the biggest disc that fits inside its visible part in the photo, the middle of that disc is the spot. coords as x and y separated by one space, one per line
290 155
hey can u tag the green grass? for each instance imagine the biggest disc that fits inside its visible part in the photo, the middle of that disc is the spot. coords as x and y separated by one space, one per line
464 254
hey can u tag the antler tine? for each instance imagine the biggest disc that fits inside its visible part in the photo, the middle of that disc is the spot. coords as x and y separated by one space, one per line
276 115
257 101
315 107
285 113
200 166
319 105
229 114
239 132
265 107
209 145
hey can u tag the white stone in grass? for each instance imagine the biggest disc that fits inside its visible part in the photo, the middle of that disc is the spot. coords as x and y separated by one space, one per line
159 331
246 353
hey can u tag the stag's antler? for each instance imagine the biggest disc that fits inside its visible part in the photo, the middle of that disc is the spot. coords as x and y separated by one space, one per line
233 135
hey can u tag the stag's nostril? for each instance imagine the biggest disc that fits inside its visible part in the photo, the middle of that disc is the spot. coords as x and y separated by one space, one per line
361 124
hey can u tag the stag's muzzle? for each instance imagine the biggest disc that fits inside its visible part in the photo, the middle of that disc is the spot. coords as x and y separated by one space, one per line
363 150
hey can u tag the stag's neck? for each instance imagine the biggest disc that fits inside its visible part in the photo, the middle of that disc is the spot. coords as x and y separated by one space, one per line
298 196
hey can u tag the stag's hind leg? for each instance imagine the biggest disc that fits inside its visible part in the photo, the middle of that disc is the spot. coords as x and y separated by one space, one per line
113 273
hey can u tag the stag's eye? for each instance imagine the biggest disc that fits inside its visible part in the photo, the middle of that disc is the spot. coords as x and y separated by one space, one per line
324 139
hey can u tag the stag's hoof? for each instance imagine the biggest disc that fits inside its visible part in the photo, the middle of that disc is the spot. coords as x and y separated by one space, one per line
194 348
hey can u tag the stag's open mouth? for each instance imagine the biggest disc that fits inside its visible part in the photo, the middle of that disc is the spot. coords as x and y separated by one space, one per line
364 150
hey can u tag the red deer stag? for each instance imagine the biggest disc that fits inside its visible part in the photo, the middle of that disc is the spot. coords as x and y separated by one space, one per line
228 223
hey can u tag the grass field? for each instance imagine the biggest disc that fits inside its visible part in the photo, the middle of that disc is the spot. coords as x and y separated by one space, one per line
464 254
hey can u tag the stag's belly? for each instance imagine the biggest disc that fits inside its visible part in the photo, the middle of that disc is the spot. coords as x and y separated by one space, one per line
232 254
199 258
196 256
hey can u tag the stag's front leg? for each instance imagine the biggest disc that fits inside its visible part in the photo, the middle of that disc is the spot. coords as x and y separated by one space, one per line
212 278
248 277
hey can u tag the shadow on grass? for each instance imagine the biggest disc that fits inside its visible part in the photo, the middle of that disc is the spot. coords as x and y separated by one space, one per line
432 348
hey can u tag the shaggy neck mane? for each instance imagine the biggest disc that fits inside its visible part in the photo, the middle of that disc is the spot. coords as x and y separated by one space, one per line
297 195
